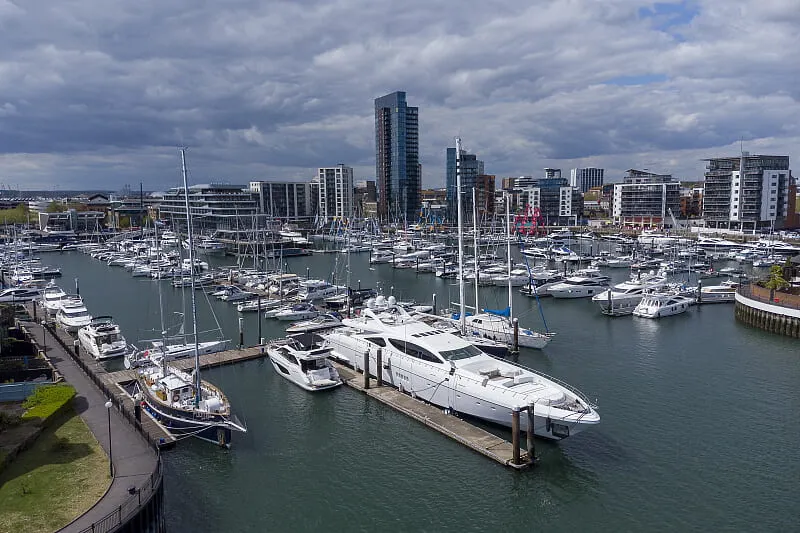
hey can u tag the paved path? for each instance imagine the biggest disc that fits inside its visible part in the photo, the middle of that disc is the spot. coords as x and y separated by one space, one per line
134 460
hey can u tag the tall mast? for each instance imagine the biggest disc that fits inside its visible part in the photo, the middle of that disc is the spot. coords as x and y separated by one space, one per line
191 277
508 253
475 244
462 318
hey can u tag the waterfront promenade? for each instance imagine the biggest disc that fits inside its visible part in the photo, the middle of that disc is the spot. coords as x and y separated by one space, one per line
134 460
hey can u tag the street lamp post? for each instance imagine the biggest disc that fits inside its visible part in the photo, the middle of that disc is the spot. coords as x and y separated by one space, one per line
110 458
44 336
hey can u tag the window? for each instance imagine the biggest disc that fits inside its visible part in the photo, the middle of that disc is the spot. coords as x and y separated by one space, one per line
377 340
461 353
415 351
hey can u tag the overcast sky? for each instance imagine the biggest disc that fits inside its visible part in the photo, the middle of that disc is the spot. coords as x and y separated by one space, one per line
98 93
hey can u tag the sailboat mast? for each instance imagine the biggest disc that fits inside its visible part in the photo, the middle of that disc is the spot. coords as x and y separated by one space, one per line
163 328
508 254
475 243
462 318
191 277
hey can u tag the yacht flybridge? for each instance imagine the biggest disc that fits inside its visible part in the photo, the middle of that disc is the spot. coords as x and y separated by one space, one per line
102 338
448 371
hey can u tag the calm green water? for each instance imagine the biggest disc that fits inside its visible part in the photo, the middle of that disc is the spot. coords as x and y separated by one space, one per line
700 428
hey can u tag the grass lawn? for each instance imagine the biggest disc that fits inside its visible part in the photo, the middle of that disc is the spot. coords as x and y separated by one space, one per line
62 475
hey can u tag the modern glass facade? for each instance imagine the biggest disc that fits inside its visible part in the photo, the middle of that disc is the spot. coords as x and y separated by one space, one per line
471 168
586 178
214 207
283 200
397 168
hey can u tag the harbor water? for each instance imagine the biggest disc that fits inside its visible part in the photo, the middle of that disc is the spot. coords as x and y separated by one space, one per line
699 431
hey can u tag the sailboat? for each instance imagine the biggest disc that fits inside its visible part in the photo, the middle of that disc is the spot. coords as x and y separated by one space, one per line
182 401
496 325
173 347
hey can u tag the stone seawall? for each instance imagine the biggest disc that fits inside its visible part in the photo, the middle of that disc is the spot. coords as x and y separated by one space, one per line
772 318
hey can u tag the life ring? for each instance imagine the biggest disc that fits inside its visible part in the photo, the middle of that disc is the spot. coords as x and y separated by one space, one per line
175 397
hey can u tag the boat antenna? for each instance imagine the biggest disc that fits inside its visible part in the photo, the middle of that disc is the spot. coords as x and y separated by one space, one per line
190 234
462 318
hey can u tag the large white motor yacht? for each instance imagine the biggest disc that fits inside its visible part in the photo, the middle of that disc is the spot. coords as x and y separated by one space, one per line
582 285
623 297
102 338
449 372
725 292
73 314
308 368
660 305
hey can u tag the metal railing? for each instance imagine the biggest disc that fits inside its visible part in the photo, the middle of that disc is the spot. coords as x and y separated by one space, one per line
141 496
762 294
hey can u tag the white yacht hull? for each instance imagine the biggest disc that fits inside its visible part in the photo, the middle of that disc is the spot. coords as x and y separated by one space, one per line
314 382
459 392
575 291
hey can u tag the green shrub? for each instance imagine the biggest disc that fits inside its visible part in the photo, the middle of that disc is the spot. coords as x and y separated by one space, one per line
46 401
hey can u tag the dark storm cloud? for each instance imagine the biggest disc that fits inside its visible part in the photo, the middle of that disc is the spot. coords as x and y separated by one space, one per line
99 92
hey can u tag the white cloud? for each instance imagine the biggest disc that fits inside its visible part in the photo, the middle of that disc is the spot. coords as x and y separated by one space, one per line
97 93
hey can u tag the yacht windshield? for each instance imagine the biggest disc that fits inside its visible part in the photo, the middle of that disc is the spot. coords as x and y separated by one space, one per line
461 353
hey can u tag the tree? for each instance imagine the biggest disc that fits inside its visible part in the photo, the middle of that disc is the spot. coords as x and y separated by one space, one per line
776 281
55 207
17 215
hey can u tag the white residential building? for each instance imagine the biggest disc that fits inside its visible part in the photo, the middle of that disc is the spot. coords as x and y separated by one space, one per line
335 192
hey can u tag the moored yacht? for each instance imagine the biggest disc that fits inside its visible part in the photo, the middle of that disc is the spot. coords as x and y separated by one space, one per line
18 295
51 298
102 338
622 298
658 305
169 351
317 289
582 285
725 292
73 314
447 371
307 368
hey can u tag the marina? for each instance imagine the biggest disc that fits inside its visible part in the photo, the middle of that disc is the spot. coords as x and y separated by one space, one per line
623 362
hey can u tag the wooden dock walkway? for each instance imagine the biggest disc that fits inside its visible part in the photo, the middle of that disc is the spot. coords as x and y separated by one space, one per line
461 431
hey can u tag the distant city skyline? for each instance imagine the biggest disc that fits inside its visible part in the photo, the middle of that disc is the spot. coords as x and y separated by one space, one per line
96 95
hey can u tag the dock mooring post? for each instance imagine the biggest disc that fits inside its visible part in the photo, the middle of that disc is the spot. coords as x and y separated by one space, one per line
241 332
515 435
366 369
34 304
379 363
76 345
699 291
516 335
531 444
434 303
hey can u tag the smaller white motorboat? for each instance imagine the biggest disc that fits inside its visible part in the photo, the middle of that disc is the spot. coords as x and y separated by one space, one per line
308 368
256 305
301 311
102 338
319 323
658 305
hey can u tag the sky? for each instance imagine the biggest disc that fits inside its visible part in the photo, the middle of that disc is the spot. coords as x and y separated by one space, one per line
95 94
